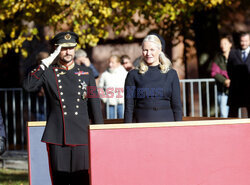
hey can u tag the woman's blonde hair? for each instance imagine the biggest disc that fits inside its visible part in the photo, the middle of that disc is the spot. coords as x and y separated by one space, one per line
116 58
165 63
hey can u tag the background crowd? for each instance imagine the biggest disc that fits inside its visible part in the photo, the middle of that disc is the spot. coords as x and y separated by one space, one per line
231 69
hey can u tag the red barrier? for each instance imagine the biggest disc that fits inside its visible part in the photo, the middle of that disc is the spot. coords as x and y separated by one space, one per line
181 153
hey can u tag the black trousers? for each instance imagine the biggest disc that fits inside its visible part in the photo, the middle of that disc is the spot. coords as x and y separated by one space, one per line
68 164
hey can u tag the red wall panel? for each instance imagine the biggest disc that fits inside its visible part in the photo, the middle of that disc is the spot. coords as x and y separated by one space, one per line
212 154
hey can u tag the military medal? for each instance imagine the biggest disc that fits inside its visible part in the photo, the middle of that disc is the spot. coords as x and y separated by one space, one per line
62 73
84 88
84 95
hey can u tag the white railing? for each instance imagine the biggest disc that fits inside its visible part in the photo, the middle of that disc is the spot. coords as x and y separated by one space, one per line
195 93
202 92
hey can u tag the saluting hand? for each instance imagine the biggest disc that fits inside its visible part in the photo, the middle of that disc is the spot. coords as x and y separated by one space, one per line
52 56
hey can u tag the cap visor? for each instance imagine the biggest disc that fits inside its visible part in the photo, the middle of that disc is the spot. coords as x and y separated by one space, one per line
65 45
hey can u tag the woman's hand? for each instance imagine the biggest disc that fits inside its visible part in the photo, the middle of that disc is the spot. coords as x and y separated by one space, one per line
227 83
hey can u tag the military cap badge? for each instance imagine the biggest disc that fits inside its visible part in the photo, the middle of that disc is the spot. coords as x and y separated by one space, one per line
67 36
65 39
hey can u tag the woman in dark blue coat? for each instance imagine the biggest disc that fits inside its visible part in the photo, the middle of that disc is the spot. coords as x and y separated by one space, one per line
152 91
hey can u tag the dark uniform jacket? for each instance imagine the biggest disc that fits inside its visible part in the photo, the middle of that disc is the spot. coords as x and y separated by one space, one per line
69 109
152 97
239 73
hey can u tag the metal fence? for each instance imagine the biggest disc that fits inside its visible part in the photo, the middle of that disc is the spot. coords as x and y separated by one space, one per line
17 108
198 98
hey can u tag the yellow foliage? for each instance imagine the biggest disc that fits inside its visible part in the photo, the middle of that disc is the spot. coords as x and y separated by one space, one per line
47 37
16 50
30 38
28 14
24 53
13 33
114 4
8 45
91 19
2 17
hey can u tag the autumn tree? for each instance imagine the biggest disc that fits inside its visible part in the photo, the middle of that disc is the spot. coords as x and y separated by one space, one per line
92 20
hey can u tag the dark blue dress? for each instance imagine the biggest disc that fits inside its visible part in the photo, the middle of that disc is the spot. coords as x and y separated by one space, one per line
152 97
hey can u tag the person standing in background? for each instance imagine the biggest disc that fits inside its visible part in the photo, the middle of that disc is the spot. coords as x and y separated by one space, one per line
219 72
112 83
2 135
126 62
81 58
238 68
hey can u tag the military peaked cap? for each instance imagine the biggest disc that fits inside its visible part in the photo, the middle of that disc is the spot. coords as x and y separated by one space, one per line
65 39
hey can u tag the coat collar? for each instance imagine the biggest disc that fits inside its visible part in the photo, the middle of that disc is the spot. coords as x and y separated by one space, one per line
70 66
239 53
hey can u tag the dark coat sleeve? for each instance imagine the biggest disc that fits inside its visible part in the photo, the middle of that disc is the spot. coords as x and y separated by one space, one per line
94 70
130 90
176 98
34 80
94 103
230 64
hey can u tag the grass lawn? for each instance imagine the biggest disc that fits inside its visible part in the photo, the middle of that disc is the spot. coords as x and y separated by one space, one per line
13 177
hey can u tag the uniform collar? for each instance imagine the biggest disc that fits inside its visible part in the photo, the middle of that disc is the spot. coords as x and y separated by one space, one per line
70 66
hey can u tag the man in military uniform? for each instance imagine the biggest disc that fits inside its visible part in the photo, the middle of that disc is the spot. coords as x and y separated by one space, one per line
66 86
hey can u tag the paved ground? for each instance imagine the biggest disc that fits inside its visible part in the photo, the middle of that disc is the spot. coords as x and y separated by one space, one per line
14 160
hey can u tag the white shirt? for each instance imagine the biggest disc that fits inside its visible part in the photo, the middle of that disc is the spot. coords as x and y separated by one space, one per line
245 52
112 82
